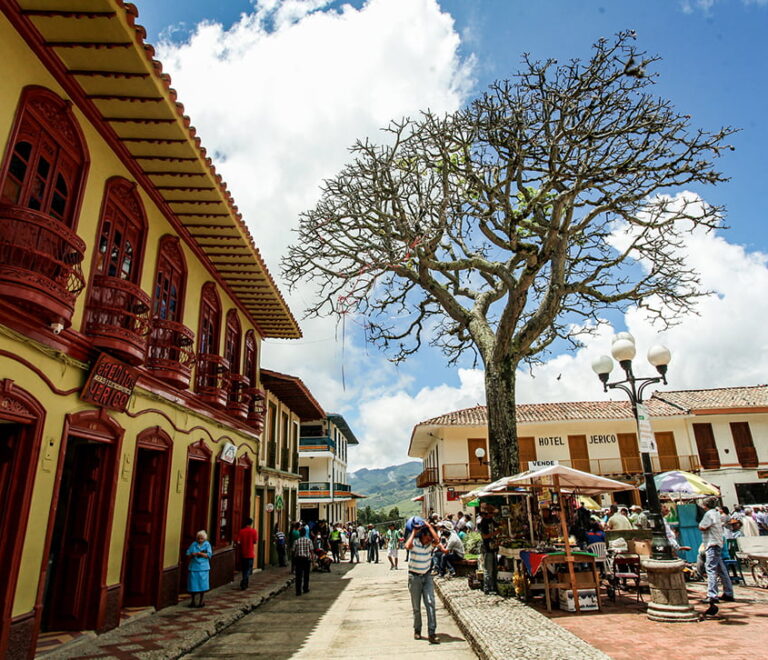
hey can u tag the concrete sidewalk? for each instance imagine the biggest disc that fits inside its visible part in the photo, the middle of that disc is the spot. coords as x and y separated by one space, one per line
358 611
177 630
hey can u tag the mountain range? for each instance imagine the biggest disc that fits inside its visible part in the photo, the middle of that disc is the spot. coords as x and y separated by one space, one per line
388 487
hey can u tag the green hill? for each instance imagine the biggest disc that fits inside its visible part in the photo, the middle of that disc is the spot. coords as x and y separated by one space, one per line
388 487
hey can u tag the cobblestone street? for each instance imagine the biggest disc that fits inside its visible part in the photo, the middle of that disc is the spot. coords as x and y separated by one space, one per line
360 611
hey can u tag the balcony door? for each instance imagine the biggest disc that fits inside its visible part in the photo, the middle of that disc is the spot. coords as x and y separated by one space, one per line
630 453
577 448
668 458
477 469
526 448
170 280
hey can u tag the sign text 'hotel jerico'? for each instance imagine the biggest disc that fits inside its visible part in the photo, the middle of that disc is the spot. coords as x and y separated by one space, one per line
559 441
110 383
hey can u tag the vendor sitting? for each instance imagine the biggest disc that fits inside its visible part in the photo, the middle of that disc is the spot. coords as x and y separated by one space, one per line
595 534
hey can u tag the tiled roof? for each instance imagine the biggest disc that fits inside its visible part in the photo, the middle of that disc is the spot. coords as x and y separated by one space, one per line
661 404
723 397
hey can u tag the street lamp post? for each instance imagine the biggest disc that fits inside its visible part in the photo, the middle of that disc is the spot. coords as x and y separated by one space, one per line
623 350
669 597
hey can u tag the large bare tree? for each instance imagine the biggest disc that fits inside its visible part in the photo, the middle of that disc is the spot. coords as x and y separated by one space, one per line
516 220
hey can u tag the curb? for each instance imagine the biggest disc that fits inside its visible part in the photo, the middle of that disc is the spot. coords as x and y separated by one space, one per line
478 647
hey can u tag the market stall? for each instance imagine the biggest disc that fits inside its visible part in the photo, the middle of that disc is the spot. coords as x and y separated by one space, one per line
549 498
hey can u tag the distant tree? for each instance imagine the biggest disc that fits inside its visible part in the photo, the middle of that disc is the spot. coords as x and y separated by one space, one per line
394 514
516 220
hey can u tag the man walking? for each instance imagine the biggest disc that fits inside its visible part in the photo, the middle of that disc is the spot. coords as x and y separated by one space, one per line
393 542
354 545
420 544
246 542
373 544
302 557
711 528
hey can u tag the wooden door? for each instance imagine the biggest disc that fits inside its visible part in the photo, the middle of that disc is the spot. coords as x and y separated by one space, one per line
527 451
79 540
668 458
144 541
577 447
705 443
195 509
745 447
304 473
12 483
630 453
477 469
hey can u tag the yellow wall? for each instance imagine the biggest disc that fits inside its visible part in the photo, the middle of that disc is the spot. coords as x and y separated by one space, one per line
66 374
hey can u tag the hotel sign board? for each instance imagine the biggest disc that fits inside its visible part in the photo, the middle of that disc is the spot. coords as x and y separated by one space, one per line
110 383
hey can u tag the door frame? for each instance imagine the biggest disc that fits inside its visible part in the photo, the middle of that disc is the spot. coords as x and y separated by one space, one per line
156 439
99 426
200 452
19 406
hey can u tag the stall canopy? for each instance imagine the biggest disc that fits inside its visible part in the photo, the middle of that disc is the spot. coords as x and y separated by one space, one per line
567 479
683 485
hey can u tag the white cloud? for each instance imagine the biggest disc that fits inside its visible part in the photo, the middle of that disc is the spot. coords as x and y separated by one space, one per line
689 6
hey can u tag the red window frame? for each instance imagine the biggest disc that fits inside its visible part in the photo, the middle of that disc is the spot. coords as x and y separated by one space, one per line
122 232
170 281
232 340
46 160
250 362
222 528
210 320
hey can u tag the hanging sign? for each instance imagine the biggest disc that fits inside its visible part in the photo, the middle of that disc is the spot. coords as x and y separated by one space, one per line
228 452
270 507
279 503
538 465
110 383
647 439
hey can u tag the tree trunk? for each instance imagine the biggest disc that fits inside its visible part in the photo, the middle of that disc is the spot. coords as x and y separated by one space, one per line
502 419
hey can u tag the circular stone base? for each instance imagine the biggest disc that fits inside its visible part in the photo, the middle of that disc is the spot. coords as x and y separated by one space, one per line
669 596
672 613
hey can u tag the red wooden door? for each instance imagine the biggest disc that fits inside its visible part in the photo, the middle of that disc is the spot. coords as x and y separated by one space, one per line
526 448
705 443
11 493
577 447
80 541
195 509
144 542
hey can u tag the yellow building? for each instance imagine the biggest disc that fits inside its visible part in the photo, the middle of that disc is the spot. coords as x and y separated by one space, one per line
721 433
133 305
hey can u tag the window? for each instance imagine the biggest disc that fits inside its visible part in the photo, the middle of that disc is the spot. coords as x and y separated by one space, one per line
250 362
232 342
210 320
705 443
745 448
45 165
121 237
272 456
170 280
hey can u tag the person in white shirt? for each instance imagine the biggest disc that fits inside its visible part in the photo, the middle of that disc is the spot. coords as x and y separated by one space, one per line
712 539
617 521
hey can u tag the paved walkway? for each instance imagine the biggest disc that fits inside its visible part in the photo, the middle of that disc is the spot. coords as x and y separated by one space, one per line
176 630
360 611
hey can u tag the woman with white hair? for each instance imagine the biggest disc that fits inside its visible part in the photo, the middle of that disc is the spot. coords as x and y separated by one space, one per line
748 524
199 553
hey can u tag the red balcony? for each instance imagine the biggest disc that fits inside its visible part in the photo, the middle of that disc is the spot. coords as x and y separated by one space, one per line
237 405
117 318
40 264
256 408
170 355
428 477
212 379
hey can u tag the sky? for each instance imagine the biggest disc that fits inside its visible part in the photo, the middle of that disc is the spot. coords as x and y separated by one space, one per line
279 89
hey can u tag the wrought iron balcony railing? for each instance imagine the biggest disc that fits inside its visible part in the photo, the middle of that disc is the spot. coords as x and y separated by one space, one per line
212 379
170 354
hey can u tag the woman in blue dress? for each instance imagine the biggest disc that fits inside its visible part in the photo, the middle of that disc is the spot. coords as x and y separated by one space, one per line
199 554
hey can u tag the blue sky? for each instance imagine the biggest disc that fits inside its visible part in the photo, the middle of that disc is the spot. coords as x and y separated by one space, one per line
406 54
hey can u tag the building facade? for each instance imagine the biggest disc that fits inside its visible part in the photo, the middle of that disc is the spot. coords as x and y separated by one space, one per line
324 493
133 305
720 433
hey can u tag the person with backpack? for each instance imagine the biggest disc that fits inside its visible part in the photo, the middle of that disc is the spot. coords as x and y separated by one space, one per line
280 546
373 544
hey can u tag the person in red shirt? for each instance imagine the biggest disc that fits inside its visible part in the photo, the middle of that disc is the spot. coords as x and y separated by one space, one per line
246 541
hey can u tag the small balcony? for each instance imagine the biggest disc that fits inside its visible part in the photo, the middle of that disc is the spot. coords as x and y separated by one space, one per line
237 406
454 472
212 382
170 356
317 444
256 408
428 477
342 490
314 489
117 318
40 264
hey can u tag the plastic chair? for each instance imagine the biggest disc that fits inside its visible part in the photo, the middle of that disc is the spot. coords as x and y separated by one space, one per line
600 550
626 567
732 564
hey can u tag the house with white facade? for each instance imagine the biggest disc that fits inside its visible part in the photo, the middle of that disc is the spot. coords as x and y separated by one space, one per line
720 433
324 491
